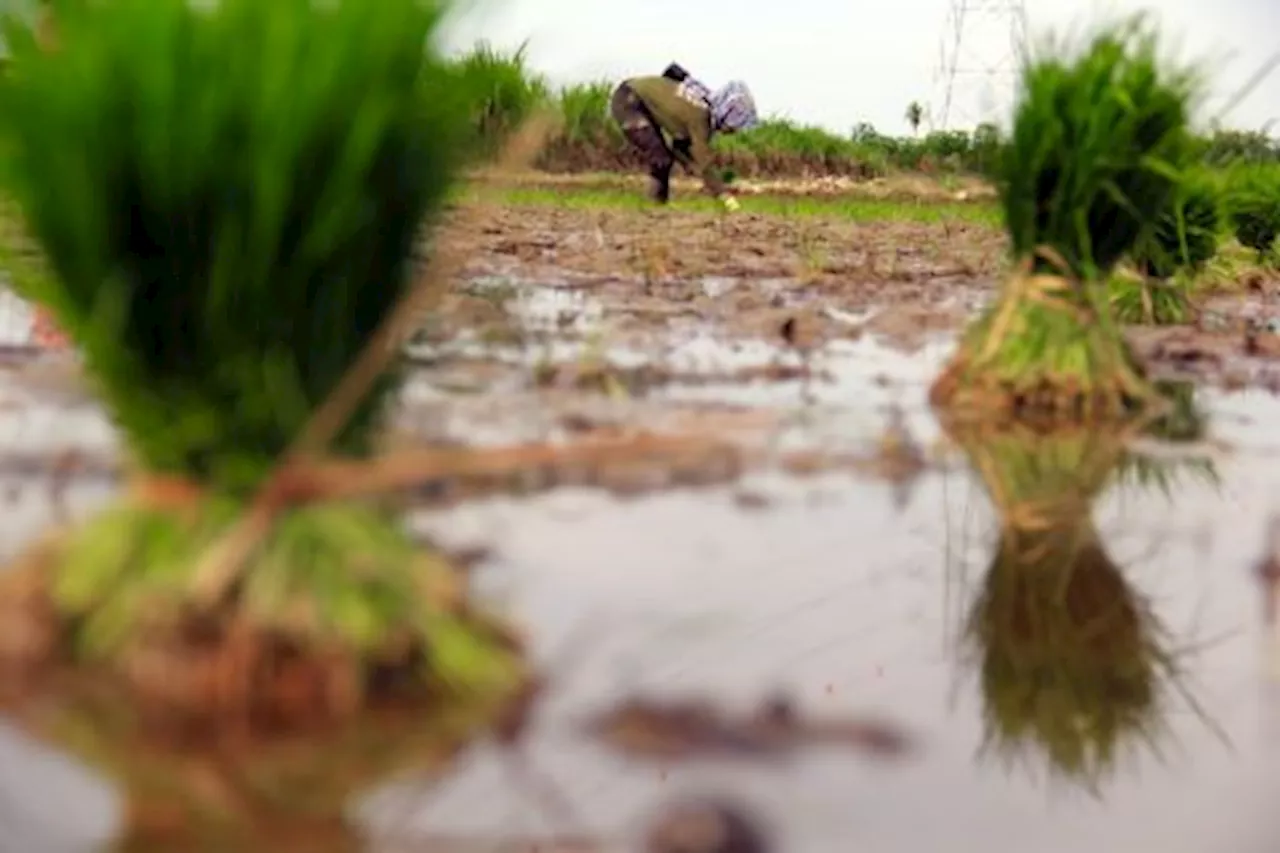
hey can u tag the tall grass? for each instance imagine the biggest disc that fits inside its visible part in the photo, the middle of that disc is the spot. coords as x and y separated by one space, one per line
505 90
584 108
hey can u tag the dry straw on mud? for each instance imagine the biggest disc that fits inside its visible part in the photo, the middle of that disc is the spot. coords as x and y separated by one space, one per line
1095 156
1071 658
229 198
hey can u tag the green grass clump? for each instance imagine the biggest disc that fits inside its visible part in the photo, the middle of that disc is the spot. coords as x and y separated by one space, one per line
584 107
503 92
1096 153
775 143
1254 203
229 198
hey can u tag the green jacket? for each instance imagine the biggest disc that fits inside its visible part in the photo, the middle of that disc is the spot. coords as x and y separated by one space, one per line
685 121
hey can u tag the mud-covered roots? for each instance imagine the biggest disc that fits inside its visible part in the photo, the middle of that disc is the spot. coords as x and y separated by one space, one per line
336 606
1047 352
1045 400
329 667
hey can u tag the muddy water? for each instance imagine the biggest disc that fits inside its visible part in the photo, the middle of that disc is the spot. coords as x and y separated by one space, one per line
479 390
831 594
821 587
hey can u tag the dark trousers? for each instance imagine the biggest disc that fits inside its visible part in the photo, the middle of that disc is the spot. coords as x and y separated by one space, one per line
642 131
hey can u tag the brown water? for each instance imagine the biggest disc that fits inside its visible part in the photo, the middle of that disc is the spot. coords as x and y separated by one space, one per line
826 588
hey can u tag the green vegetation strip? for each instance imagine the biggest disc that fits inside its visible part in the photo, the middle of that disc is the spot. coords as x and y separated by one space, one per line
504 90
836 207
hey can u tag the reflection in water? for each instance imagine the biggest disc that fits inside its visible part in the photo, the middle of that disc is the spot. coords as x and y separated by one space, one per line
1184 421
1073 663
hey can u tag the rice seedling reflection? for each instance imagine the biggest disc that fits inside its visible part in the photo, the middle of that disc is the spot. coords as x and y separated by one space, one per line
1074 666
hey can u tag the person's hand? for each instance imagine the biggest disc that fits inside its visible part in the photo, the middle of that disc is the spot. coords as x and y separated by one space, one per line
730 203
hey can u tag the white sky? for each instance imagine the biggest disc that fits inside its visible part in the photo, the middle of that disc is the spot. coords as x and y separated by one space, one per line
839 62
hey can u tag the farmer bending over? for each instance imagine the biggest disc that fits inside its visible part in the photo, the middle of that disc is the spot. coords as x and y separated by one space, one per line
666 121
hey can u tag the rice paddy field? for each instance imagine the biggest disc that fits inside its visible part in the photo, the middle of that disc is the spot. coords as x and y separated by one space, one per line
777 599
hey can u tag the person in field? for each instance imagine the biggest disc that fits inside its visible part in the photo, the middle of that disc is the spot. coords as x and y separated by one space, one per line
675 71
672 117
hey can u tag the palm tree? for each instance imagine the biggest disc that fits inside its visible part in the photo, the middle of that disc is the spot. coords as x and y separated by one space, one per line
915 115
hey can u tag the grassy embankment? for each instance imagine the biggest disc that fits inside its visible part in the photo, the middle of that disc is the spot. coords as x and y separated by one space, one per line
588 141
508 91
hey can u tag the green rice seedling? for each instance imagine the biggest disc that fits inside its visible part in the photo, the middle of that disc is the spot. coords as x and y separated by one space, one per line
1156 302
1174 250
1253 199
1095 154
1071 659
229 196
1185 236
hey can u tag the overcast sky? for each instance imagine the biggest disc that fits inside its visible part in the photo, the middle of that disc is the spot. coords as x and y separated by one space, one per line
839 62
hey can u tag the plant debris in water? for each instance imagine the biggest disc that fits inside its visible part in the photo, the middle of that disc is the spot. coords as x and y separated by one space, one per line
1094 158
684 730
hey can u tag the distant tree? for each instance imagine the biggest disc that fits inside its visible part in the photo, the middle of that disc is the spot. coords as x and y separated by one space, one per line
864 131
915 115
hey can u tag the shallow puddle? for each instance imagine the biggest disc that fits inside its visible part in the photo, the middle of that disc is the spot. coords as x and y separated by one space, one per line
830 397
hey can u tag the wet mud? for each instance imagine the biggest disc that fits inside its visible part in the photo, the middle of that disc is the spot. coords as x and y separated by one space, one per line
693 456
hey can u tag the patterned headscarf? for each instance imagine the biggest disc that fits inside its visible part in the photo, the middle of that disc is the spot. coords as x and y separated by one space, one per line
733 108
692 89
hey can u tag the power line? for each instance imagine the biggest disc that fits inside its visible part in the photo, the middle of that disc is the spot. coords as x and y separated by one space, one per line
980 54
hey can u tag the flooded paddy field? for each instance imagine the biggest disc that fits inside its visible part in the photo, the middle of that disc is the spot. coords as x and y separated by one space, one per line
693 456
